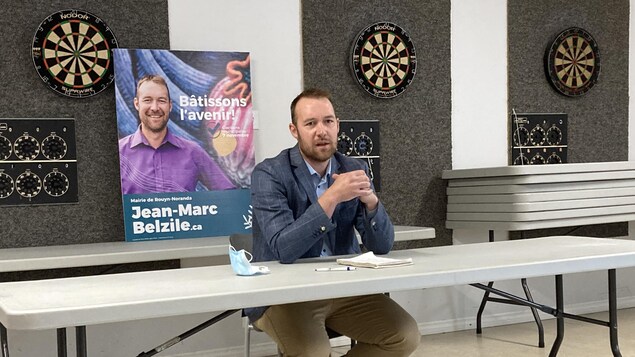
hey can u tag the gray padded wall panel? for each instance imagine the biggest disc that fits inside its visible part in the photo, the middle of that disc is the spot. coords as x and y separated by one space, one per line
415 126
98 215
598 120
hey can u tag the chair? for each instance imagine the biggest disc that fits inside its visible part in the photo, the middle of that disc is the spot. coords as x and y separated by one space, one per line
245 241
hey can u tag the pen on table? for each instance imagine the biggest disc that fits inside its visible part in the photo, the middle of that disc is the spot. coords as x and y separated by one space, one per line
336 269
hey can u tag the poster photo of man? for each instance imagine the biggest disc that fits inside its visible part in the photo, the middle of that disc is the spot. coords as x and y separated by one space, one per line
185 127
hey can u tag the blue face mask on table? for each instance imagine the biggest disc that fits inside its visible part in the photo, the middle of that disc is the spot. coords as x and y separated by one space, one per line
241 264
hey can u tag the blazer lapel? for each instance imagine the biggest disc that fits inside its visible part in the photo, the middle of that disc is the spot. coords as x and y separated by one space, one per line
331 236
302 173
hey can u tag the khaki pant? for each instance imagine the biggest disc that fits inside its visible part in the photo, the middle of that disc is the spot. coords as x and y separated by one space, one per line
380 326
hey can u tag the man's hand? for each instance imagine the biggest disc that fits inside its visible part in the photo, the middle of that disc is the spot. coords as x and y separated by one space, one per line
347 186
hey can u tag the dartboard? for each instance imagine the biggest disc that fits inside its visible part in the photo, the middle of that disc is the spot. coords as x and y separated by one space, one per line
72 53
384 61
573 62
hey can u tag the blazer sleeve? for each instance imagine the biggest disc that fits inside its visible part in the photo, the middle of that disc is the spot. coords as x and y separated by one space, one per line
377 231
289 228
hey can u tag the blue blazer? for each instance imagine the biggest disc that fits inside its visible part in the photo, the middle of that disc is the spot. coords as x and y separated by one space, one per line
289 223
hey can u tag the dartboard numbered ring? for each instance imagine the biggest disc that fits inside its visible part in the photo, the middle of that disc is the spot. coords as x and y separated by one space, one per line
573 62
384 60
72 53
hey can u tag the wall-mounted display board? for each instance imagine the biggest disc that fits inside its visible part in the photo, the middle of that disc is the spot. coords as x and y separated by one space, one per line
72 53
538 138
384 60
360 139
38 161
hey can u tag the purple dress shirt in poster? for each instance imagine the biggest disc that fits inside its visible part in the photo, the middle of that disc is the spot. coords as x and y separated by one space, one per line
145 169
185 126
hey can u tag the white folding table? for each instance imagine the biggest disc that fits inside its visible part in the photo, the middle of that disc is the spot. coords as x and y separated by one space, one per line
121 252
90 300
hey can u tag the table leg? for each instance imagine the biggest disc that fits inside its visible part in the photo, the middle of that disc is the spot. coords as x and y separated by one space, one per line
186 334
541 330
559 317
61 342
486 298
481 308
615 348
80 343
4 341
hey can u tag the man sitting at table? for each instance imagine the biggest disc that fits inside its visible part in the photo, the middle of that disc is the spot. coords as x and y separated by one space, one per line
306 203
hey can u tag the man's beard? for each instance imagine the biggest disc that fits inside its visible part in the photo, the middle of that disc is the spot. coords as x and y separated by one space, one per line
311 153
154 127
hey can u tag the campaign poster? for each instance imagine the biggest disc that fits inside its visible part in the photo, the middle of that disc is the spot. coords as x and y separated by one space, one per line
186 151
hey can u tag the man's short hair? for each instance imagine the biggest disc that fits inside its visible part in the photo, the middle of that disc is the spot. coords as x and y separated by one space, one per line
314 93
155 78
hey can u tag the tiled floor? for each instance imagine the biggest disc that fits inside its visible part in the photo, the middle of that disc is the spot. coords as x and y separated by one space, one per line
580 340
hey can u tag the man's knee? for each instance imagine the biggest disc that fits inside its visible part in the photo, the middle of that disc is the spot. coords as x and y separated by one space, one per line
405 339
406 336
410 336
